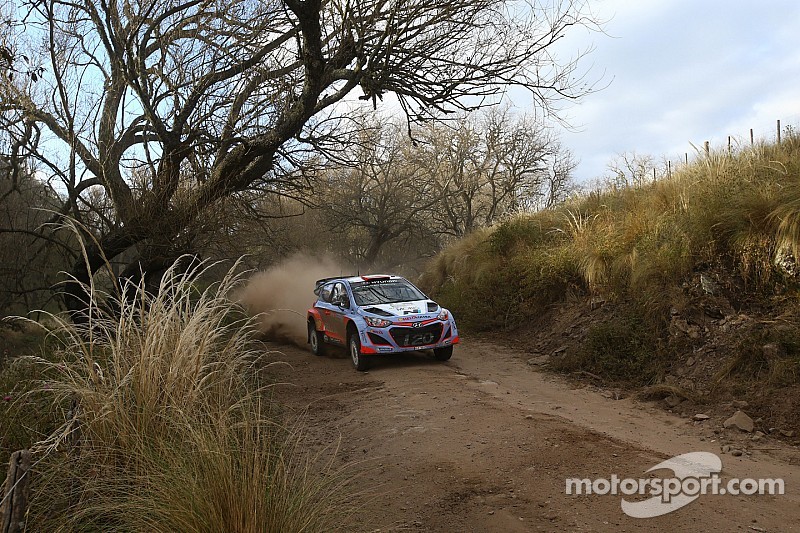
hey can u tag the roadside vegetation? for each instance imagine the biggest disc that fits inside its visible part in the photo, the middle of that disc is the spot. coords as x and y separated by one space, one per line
160 420
664 265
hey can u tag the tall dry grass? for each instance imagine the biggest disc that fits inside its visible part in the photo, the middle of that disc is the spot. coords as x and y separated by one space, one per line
167 426
738 212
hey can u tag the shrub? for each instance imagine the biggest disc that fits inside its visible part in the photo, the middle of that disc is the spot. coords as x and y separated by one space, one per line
770 356
622 348
168 427
738 212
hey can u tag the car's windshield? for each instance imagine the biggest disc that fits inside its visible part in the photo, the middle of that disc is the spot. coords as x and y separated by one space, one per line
384 292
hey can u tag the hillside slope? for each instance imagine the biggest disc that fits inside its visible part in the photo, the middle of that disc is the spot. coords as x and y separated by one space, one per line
687 286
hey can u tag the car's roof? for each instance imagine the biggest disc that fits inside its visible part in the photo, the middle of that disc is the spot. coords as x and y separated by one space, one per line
373 277
358 279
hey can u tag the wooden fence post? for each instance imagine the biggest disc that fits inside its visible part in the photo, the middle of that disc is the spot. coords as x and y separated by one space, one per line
779 131
15 493
707 149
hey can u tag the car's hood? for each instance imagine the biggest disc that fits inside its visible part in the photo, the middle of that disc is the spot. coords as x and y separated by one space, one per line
400 308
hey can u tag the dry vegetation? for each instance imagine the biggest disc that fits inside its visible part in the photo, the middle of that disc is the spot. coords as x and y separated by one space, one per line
166 423
719 236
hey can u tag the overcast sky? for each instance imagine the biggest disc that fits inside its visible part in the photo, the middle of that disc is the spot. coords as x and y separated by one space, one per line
684 71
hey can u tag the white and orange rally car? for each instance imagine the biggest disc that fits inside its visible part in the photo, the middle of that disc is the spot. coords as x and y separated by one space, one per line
378 314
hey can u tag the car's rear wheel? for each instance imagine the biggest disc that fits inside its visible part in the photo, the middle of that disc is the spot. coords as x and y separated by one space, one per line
315 340
360 361
443 354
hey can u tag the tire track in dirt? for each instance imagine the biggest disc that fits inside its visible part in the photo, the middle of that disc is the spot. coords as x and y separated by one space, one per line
484 443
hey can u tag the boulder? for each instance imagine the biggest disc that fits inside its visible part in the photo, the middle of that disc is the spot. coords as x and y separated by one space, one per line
673 400
740 421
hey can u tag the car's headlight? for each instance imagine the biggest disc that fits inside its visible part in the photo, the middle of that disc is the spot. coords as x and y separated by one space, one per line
376 322
443 315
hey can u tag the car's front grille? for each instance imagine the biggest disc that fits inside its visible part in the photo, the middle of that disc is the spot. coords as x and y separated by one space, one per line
410 336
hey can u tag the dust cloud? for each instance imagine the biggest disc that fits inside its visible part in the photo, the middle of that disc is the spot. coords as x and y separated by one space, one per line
281 295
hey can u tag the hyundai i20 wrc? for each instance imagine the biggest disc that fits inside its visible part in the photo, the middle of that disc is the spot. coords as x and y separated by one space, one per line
378 314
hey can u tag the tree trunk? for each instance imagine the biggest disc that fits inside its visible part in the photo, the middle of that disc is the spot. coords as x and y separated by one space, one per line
15 493
96 254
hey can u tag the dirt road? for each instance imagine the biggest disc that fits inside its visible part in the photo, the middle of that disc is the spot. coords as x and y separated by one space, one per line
484 442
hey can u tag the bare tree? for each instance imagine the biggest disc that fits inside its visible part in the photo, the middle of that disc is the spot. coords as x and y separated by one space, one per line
382 195
447 179
494 165
557 181
630 169
210 99
29 259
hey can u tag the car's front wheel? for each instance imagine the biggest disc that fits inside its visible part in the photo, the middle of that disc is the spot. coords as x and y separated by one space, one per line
443 354
360 361
315 340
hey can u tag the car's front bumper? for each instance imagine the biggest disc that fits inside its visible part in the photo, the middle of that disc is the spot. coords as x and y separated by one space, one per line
409 337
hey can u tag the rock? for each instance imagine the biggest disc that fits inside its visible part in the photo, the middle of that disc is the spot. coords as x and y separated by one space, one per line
699 417
740 404
690 361
673 400
708 285
726 448
713 311
736 453
560 349
787 433
759 434
741 421
538 361
596 304
785 262
681 324
528 417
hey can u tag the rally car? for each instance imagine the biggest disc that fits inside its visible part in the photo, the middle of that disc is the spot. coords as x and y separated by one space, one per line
378 314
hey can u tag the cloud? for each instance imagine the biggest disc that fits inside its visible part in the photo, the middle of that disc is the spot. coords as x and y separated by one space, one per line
687 72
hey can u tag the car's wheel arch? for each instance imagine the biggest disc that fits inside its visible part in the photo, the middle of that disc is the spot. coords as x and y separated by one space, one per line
350 329
313 315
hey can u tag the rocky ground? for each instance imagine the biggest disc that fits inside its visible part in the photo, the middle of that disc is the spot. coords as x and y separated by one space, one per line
486 441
